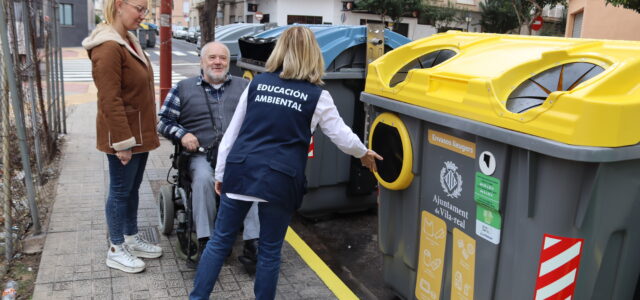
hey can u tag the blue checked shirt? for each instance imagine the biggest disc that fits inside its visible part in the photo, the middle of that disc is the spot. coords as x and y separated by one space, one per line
169 113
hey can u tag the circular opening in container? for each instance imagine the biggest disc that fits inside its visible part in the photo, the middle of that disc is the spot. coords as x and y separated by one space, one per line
387 142
426 61
390 139
535 90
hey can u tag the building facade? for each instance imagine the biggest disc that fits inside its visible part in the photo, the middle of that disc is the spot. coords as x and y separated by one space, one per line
596 19
76 19
335 12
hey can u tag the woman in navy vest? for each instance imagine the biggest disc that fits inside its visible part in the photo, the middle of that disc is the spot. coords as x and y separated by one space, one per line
263 154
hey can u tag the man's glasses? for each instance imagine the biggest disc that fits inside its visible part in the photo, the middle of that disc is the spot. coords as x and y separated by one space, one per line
141 10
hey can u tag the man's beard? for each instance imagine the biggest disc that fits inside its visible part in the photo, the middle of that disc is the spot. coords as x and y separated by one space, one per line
216 78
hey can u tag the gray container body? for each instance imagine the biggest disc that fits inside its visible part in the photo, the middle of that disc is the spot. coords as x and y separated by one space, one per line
546 187
142 37
233 66
151 38
337 182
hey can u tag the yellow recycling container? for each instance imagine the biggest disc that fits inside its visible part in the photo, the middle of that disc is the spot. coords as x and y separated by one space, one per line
485 75
511 167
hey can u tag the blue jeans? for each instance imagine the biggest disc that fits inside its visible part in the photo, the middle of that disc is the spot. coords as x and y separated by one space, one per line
122 203
274 220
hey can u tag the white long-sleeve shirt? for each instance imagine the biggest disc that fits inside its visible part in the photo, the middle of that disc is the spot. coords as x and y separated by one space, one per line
326 115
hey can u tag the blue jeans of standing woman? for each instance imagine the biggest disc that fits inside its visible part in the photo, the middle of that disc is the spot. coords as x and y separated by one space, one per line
122 203
274 220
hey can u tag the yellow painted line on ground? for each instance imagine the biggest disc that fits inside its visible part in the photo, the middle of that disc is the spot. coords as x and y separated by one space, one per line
329 278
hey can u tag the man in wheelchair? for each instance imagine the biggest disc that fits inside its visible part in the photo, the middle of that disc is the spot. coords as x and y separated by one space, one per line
195 115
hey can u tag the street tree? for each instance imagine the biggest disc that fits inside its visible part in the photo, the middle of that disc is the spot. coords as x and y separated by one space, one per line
630 4
394 9
208 12
442 17
528 10
497 16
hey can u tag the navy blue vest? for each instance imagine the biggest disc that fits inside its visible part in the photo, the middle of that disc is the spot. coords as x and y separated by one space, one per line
269 156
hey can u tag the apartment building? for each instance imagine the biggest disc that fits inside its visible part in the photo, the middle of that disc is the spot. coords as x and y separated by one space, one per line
597 19
339 12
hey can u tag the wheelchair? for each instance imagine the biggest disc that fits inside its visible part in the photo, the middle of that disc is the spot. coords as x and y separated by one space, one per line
174 204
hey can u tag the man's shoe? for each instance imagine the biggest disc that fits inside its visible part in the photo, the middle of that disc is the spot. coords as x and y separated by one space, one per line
118 257
250 249
141 248
249 256
193 263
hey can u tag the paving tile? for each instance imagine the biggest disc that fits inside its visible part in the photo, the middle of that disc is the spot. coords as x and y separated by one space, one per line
158 293
101 286
177 292
82 288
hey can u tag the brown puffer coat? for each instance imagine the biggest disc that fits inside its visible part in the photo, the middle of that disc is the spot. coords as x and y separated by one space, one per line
126 96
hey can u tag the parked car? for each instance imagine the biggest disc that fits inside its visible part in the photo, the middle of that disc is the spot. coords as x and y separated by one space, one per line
193 34
180 32
229 35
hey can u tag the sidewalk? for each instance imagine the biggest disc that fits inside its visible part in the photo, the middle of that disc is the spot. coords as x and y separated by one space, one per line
73 259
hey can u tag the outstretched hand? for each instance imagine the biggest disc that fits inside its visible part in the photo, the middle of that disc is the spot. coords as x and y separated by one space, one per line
369 160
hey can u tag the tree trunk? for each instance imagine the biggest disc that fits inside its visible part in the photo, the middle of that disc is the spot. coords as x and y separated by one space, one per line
518 15
208 13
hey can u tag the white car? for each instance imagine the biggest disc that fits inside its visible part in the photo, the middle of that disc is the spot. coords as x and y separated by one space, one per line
180 32
229 34
193 34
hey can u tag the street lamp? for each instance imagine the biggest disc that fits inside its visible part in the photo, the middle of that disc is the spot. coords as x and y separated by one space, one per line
468 20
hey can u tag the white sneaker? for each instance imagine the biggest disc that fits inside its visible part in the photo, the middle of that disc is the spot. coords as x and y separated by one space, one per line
141 248
118 257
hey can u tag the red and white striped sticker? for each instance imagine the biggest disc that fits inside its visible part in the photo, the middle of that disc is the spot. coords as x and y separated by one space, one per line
310 153
558 269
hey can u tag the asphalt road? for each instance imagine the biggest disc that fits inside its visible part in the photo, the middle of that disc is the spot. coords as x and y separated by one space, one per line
347 243
184 59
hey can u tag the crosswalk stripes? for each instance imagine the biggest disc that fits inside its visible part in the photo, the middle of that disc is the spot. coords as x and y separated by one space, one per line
175 52
76 70
175 77
79 70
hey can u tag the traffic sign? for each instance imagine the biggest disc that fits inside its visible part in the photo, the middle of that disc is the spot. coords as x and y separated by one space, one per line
259 16
537 23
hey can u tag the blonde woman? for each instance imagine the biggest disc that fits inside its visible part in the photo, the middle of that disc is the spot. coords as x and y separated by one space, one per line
125 125
263 154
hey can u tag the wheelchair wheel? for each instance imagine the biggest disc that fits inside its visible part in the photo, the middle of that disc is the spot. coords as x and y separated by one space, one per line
181 247
166 209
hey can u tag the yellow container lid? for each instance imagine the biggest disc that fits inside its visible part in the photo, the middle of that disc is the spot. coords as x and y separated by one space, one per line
575 91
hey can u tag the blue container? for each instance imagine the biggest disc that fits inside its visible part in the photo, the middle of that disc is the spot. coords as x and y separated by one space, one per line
336 182
334 40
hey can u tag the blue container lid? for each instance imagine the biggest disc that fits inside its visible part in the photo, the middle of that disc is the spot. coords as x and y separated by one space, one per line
334 39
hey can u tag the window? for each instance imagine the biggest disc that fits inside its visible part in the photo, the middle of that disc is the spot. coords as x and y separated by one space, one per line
65 16
291 19
467 2
425 19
